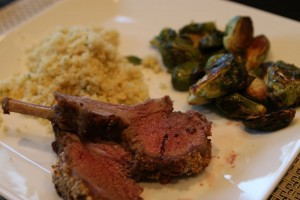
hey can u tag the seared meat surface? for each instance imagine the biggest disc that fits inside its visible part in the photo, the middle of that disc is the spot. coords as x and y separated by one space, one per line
92 119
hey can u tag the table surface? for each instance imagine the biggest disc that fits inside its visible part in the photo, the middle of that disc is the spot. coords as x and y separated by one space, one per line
289 187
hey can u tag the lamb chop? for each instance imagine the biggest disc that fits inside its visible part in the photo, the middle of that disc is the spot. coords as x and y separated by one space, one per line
88 118
93 170
163 142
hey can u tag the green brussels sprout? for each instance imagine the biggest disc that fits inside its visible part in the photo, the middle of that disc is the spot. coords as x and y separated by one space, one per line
212 41
165 36
227 75
270 121
238 106
195 31
185 75
197 28
283 84
174 50
238 34
256 52
177 52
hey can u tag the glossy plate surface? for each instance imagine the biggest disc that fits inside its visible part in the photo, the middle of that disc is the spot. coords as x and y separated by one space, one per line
244 165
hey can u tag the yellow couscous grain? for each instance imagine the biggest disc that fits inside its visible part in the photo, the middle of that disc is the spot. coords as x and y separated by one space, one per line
80 61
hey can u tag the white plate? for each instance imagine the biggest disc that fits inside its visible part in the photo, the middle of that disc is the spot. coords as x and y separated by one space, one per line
244 165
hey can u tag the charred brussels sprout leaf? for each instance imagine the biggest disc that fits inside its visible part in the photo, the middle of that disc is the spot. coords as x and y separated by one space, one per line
261 71
237 106
283 84
238 34
257 52
227 75
270 121
185 75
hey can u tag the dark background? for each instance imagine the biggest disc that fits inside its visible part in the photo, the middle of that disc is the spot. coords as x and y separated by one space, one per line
286 8
3 3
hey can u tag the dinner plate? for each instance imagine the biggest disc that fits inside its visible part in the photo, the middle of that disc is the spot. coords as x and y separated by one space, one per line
244 165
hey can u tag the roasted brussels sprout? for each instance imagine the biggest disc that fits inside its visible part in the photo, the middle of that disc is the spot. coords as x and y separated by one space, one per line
283 84
197 28
228 69
270 121
210 63
186 74
195 31
257 52
165 36
226 75
261 71
174 50
237 106
211 42
257 90
238 34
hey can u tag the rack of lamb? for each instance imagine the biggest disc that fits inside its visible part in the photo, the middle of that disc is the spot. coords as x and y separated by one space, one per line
103 148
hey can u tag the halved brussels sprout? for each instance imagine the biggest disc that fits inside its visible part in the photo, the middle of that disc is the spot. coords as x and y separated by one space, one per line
226 75
237 106
174 49
283 84
257 52
238 34
186 74
270 121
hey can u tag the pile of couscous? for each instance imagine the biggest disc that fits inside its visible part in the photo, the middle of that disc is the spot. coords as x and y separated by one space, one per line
78 61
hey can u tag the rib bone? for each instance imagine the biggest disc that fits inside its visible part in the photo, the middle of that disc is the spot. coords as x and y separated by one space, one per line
11 105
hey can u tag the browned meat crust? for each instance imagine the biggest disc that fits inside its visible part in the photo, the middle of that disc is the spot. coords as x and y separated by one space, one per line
91 119
94 171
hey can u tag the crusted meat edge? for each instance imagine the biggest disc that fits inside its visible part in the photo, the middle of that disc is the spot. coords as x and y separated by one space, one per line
66 185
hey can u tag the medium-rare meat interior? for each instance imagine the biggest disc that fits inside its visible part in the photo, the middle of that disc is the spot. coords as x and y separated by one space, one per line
154 143
93 170
169 144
